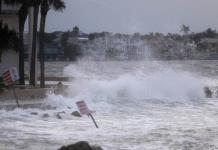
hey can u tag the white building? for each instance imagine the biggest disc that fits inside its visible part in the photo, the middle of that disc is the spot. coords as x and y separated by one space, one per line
9 16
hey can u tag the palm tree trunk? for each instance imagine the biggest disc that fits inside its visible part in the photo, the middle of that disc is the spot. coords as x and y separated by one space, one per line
22 19
0 6
0 55
41 48
44 10
34 40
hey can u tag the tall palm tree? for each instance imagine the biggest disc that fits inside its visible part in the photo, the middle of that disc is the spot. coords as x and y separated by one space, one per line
23 13
46 5
32 80
185 29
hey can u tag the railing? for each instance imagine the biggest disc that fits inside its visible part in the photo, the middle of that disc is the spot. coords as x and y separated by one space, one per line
7 9
55 78
8 12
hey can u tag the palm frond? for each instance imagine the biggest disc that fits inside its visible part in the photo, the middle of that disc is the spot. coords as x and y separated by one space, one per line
57 5
8 38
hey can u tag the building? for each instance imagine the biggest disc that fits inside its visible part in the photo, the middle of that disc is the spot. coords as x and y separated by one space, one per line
9 17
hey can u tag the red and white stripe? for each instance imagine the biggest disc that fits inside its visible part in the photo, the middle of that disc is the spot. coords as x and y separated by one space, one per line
83 108
7 78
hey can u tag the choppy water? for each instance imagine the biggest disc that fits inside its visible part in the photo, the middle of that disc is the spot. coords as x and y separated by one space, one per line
139 106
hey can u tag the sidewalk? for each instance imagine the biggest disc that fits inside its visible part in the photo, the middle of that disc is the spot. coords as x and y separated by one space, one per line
27 96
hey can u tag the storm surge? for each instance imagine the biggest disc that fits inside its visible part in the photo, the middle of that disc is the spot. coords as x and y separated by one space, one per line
119 82
138 105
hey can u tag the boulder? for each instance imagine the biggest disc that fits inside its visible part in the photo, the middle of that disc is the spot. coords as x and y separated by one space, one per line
45 115
82 145
95 147
58 116
76 113
208 92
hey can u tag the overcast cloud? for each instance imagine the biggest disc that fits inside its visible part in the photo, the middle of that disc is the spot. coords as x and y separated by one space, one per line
129 16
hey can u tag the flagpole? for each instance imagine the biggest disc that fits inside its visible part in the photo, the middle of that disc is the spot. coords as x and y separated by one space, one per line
15 96
10 76
93 120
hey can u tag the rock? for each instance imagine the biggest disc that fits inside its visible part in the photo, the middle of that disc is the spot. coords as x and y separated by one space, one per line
95 147
45 115
60 84
58 116
82 145
76 113
60 88
208 92
34 113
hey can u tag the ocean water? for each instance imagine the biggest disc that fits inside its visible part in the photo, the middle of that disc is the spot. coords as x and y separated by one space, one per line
139 105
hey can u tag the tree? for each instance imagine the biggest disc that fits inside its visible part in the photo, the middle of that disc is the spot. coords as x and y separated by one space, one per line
64 43
73 51
8 39
22 19
0 6
75 31
46 5
92 36
185 29
32 80
210 33
22 14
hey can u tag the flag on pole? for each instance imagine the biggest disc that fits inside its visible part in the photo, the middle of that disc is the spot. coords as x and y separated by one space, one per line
10 76
7 78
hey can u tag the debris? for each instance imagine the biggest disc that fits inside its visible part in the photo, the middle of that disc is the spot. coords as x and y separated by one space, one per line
76 113
34 113
60 84
208 92
58 116
45 115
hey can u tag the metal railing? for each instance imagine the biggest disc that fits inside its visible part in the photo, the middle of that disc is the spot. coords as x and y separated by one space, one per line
8 12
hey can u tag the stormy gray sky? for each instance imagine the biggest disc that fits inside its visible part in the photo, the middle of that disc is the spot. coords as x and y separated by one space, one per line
129 16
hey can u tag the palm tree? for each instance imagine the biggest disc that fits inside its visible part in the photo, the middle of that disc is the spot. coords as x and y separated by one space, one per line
8 39
185 29
46 5
23 13
35 4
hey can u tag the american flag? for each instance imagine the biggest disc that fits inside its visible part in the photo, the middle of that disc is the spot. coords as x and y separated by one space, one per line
7 78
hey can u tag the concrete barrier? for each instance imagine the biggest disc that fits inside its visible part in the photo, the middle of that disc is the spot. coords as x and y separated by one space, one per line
28 95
